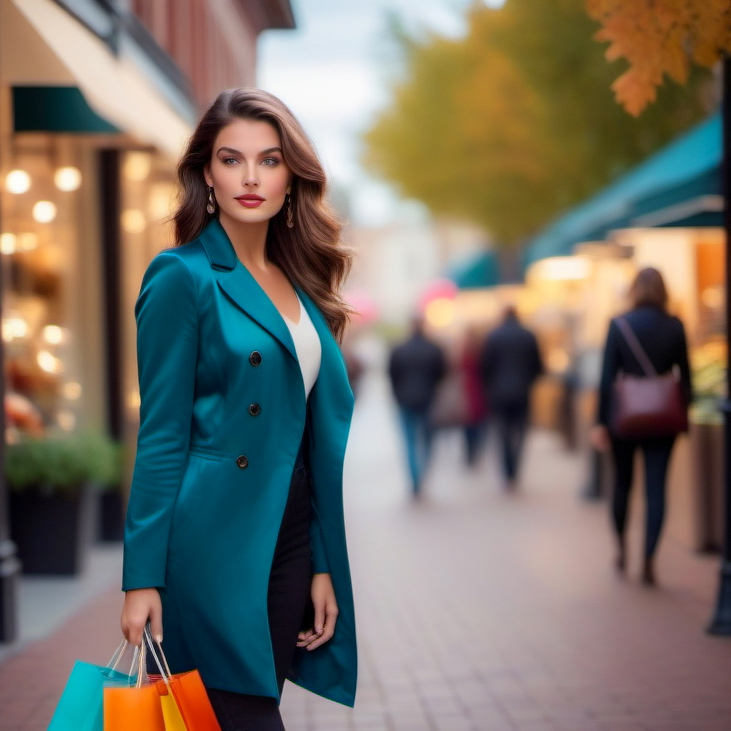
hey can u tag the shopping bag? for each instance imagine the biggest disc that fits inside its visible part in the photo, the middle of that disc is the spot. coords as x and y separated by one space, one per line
189 693
132 708
135 706
163 702
80 705
192 699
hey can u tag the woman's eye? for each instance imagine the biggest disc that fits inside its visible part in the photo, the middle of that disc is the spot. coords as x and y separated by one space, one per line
270 161
229 160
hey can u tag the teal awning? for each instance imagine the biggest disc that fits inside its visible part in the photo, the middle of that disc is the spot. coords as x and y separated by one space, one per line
679 185
475 271
55 109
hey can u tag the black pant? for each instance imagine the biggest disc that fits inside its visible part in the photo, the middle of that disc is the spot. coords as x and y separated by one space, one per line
657 456
288 596
511 422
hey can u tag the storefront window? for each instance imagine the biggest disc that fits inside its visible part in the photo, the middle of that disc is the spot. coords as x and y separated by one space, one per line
41 201
146 205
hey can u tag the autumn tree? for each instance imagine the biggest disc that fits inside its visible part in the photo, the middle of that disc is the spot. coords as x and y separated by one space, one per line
515 121
660 38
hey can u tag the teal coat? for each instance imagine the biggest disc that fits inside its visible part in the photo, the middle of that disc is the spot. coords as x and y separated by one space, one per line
211 480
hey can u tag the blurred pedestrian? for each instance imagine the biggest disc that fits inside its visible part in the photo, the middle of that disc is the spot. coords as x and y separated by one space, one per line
415 368
510 362
476 411
646 333
235 534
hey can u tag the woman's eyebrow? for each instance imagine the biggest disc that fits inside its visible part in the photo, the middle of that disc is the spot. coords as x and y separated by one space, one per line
233 151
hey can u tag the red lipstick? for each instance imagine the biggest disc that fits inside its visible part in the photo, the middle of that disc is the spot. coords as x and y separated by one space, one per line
250 200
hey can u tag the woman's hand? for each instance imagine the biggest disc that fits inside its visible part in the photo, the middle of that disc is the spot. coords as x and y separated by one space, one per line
326 613
139 606
599 438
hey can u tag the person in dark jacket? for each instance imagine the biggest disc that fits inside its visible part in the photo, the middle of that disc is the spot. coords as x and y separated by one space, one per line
510 362
415 368
662 337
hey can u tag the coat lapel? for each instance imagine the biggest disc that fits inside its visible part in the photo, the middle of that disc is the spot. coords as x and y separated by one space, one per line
241 287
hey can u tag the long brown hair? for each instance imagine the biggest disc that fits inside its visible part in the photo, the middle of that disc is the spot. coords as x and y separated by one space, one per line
311 253
649 289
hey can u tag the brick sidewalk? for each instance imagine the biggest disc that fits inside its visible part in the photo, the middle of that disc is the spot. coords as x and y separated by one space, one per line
476 610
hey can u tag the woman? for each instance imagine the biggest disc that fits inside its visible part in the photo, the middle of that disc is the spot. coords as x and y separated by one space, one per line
475 395
662 337
235 533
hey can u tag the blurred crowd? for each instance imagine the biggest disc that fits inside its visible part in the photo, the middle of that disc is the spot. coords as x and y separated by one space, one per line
484 378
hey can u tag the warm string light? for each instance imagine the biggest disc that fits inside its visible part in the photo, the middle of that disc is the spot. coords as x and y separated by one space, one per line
67 178
17 181
44 211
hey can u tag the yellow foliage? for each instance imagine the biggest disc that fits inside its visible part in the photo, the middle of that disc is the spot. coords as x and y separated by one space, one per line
659 38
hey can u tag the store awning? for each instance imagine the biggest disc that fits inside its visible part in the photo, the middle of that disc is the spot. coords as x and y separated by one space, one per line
123 89
56 109
476 271
678 186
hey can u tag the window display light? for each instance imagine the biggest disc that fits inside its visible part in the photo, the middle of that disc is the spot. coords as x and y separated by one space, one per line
27 241
17 181
14 327
54 334
8 243
48 362
67 178
71 390
44 211
133 221
137 166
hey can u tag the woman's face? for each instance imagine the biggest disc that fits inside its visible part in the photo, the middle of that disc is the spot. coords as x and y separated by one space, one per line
247 172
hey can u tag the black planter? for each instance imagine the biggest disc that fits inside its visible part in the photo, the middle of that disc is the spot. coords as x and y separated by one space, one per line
52 532
111 517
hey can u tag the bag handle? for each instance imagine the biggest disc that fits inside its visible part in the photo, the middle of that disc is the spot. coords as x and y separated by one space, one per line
164 673
117 656
637 349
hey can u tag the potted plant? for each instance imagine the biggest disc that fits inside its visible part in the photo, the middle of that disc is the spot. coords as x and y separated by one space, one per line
111 496
52 500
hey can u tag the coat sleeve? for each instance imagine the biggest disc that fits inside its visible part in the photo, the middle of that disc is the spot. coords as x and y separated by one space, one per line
167 348
610 368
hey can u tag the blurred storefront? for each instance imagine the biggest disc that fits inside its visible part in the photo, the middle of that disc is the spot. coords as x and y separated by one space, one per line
97 99
667 213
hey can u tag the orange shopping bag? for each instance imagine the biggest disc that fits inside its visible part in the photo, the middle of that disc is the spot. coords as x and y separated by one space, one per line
137 706
188 692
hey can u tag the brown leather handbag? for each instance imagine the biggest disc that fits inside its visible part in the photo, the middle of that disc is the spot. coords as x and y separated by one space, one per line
646 406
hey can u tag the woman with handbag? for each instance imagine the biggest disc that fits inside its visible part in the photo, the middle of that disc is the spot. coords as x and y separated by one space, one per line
235 535
644 395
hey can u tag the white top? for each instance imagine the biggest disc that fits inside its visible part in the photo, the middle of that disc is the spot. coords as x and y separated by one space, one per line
308 347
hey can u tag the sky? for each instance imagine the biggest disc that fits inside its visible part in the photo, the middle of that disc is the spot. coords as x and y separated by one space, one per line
333 72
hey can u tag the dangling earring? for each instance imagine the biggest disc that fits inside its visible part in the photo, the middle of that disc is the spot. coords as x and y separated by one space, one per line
289 212
210 206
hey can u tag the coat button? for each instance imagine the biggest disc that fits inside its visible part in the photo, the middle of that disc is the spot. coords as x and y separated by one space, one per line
255 358
242 462
255 409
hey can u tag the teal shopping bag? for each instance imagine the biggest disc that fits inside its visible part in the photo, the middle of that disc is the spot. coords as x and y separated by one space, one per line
81 705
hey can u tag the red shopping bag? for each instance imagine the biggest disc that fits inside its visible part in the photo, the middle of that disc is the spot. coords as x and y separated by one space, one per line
188 691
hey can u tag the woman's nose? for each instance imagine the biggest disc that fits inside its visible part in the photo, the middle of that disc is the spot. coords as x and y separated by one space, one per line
250 177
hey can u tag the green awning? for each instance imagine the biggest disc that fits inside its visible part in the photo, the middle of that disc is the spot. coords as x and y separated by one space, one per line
476 271
678 186
55 109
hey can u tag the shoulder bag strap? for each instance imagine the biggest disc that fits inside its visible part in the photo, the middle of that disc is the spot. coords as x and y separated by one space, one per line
636 348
